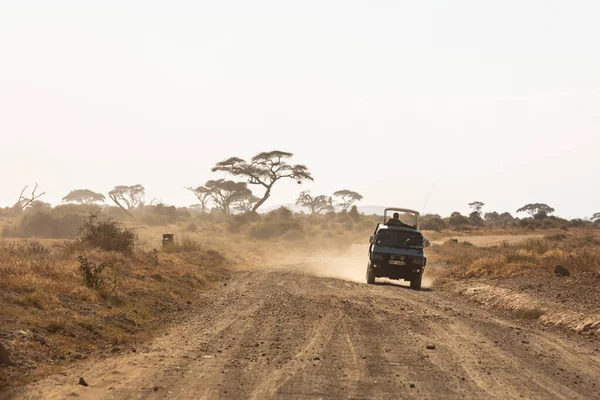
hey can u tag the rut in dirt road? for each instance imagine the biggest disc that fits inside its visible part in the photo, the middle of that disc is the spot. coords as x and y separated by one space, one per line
284 334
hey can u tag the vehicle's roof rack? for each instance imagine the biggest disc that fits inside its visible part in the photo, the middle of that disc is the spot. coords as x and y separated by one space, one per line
406 210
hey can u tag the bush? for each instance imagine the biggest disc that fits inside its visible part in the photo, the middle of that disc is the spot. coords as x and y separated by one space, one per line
46 224
161 214
433 224
107 235
354 214
282 213
237 221
93 274
114 212
276 224
293 236
274 228
246 218
457 219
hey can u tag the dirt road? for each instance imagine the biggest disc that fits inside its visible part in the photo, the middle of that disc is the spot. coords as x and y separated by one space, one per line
289 334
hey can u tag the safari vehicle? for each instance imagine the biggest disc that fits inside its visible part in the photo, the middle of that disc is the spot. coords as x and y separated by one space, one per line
396 249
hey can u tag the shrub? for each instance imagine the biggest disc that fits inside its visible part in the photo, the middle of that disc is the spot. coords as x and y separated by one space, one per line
114 212
354 214
94 276
46 224
274 228
161 214
458 219
433 224
237 221
276 224
109 235
293 236
282 213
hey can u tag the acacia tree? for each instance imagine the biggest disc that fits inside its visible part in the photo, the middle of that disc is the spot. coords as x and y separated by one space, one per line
476 206
316 204
128 197
492 216
225 194
264 169
202 193
595 217
83 196
328 205
26 201
536 209
457 219
245 203
347 198
476 218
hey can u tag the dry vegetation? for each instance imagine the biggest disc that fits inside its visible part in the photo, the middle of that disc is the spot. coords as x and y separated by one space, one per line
102 290
67 293
61 301
522 279
577 250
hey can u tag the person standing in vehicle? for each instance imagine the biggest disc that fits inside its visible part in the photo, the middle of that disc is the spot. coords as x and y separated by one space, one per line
395 221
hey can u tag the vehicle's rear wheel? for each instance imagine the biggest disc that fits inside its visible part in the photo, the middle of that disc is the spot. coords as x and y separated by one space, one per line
416 283
370 275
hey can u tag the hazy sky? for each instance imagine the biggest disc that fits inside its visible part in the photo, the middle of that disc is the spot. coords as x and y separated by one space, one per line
497 101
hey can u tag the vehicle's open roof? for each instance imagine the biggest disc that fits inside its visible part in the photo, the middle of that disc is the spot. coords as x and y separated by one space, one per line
405 210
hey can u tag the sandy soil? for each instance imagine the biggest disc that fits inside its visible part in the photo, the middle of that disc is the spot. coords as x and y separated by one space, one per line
289 333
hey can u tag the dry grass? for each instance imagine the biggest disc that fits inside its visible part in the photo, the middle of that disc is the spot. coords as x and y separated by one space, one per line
579 251
42 293
184 245
42 288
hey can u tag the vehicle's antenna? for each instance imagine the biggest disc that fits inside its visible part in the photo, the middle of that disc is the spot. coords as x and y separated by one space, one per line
427 198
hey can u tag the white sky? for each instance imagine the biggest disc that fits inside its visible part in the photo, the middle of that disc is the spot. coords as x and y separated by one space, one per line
497 101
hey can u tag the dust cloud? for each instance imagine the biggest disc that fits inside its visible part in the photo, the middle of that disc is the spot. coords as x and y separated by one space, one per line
351 265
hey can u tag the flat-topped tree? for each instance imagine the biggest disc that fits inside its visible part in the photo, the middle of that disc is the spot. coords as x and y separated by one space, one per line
226 194
265 169
347 198
536 209
128 197
83 196
202 193
316 204
476 206
595 217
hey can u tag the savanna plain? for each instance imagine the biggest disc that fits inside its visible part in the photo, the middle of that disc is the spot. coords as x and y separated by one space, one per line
275 305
